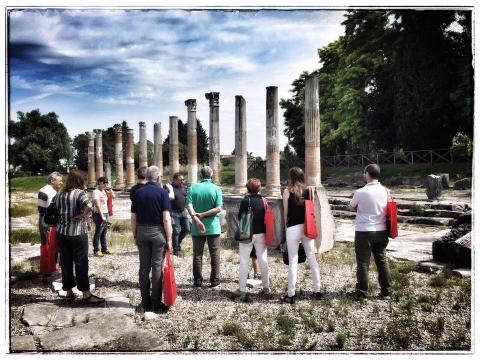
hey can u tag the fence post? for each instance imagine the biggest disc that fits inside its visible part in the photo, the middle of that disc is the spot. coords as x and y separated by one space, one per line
431 157
377 160
411 156
362 161
394 162
451 156
348 160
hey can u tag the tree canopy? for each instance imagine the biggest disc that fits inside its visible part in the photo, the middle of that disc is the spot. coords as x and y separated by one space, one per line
395 79
38 142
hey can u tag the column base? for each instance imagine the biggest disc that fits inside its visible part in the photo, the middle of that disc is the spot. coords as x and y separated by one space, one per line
239 189
272 190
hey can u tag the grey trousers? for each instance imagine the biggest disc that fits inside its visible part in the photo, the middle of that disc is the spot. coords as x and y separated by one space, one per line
151 251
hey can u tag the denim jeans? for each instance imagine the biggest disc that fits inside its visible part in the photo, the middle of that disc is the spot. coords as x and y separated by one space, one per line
151 251
100 232
214 249
366 243
181 227
74 251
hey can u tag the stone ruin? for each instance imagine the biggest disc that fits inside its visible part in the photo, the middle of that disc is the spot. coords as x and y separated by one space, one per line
455 247
272 189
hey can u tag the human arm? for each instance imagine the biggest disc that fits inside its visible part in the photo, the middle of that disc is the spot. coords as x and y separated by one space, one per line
171 194
133 226
194 216
167 225
285 196
353 203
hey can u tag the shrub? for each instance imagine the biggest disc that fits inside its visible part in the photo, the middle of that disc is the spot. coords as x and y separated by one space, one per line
24 209
340 340
24 236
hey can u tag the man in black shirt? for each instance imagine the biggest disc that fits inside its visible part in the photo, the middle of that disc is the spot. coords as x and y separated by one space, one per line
181 222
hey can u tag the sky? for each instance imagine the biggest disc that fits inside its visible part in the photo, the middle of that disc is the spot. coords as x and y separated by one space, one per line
98 67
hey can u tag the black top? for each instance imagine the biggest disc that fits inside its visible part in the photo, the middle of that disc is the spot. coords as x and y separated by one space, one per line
258 209
178 204
296 212
149 202
132 191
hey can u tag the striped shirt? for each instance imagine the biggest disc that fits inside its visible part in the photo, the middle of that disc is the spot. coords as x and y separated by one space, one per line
45 196
70 204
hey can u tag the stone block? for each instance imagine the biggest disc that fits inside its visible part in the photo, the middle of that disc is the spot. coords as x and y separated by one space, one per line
445 179
22 343
463 184
149 316
252 283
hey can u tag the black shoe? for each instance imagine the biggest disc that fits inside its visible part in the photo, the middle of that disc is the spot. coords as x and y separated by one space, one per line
356 295
161 309
197 283
318 295
288 299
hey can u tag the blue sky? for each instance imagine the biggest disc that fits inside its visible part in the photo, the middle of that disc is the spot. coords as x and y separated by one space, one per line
97 67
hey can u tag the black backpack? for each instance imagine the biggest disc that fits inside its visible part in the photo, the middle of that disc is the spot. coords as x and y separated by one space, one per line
52 217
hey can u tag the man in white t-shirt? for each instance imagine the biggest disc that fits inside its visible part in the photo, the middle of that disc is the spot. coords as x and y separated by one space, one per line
45 196
371 235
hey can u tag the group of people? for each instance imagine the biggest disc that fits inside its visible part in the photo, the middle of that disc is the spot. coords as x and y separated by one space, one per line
160 220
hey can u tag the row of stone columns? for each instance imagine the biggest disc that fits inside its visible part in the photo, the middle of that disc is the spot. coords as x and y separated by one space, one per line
272 188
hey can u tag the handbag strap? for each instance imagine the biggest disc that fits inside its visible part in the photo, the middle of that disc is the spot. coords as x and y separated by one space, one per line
265 203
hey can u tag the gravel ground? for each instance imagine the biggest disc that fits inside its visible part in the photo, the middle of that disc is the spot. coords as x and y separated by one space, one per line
420 317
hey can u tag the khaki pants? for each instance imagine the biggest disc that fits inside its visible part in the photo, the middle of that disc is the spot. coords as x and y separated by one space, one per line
214 249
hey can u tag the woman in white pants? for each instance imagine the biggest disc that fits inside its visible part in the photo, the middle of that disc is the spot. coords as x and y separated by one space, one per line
255 201
294 215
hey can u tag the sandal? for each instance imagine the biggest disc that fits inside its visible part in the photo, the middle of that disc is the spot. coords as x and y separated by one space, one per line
93 299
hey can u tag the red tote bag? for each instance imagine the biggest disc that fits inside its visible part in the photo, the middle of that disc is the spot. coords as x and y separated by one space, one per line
391 217
48 252
109 203
269 223
169 285
310 222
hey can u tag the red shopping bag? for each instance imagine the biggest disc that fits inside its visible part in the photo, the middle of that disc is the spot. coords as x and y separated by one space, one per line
269 223
169 286
48 253
391 218
310 223
109 203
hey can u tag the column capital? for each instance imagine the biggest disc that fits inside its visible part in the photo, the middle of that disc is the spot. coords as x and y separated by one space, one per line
214 98
118 130
91 135
191 104
129 131
98 132
142 124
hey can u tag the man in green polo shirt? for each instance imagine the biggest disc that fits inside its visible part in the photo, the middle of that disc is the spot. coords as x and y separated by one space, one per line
204 203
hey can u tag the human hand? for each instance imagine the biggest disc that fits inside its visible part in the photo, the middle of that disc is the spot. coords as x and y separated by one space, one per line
200 227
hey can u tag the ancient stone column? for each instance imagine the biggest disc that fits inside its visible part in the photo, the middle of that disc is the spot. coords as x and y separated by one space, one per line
98 153
214 136
119 182
108 172
157 147
433 187
130 159
191 105
312 132
174 155
240 144
142 145
91 160
272 187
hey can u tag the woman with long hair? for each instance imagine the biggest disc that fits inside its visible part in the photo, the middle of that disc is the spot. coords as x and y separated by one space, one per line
74 207
294 215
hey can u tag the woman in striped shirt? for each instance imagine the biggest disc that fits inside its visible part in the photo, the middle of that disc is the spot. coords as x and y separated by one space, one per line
74 207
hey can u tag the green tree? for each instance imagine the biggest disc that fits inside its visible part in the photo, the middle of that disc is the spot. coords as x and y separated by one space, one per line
80 146
38 142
